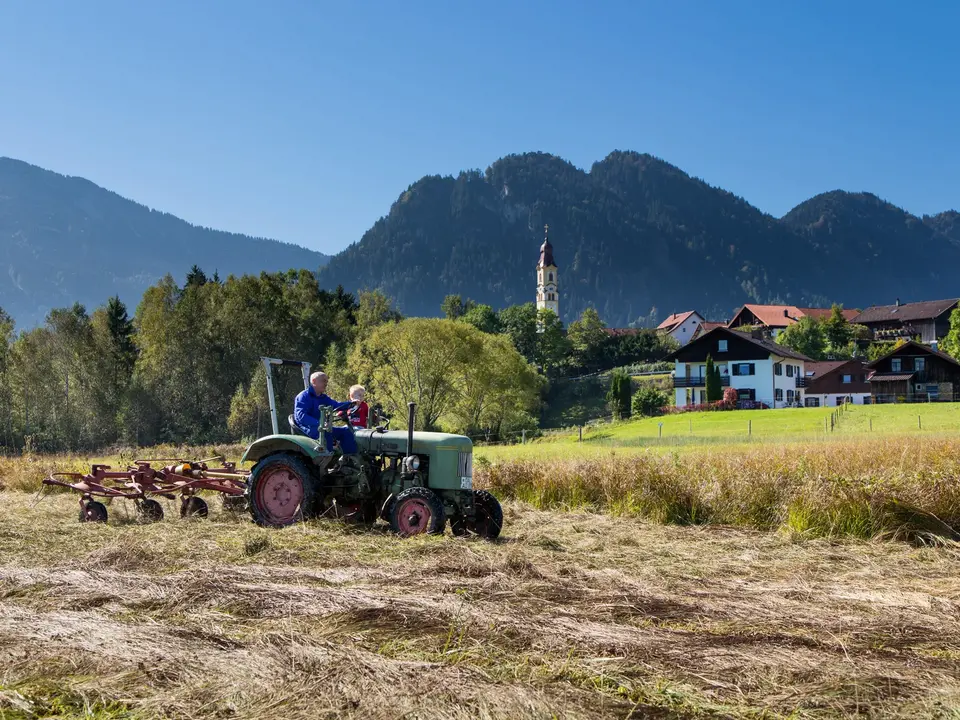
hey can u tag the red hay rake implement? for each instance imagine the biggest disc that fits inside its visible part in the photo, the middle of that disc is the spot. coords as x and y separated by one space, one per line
142 483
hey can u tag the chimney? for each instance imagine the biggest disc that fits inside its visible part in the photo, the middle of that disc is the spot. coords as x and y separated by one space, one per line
898 302
785 313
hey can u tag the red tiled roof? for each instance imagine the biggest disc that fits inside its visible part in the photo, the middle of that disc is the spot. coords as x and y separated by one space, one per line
824 313
676 319
905 312
773 315
620 331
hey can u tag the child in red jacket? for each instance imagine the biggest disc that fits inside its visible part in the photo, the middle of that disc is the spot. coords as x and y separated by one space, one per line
358 415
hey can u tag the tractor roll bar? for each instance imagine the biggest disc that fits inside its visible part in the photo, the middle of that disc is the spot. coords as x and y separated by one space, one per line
411 417
268 364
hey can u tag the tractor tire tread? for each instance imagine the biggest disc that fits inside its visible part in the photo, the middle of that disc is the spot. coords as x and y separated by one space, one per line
295 463
438 519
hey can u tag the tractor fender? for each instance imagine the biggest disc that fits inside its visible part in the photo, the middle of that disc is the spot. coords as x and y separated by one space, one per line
296 444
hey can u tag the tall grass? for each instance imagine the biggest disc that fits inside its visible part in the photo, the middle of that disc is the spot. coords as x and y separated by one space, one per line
899 487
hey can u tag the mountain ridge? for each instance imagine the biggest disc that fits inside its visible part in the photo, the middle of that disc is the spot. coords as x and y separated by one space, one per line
636 237
65 239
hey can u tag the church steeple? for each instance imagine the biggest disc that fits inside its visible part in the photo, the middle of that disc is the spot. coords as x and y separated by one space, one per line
547 277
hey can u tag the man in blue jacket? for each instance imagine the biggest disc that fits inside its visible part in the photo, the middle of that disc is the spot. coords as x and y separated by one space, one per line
306 414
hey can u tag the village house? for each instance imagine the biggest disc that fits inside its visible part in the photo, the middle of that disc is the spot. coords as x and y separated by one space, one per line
762 372
776 318
914 373
929 320
682 327
834 382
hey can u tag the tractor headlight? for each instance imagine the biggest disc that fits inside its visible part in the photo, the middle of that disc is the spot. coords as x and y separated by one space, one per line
411 463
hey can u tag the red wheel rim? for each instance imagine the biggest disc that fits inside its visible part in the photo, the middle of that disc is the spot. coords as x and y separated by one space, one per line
280 493
414 516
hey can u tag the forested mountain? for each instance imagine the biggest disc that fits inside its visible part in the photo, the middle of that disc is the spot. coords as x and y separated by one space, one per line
638 238
635 237
65 240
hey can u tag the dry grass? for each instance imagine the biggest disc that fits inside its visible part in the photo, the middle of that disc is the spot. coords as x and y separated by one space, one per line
899 487
25 472
572 615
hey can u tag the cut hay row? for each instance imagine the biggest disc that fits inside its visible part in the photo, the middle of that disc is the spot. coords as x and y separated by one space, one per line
573 615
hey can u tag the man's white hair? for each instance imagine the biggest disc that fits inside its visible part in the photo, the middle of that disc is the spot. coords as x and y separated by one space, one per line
317 376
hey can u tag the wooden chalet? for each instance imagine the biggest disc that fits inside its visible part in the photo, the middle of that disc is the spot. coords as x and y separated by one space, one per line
914 373
929 321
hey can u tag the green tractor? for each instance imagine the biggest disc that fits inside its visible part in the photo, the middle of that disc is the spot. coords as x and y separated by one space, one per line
416 481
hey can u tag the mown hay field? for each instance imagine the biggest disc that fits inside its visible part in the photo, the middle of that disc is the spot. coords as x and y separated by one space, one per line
570 615
810 578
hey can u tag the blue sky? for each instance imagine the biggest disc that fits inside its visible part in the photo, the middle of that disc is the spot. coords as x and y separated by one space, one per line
304 121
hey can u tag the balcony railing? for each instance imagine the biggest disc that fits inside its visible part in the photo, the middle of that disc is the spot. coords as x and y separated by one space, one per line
801 382
698 381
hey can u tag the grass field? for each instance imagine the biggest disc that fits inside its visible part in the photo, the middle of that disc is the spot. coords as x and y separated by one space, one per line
703 576
741 427
571 615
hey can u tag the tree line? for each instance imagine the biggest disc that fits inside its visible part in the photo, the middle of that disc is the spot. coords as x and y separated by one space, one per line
185 366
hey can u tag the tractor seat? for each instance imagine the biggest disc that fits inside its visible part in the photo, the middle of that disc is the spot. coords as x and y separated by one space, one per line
294 428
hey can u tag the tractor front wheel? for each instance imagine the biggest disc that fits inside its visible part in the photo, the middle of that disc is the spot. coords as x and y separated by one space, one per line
280 490
487 520
417 510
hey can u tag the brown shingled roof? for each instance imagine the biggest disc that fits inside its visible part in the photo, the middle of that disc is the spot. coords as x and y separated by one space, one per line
771 347
905 312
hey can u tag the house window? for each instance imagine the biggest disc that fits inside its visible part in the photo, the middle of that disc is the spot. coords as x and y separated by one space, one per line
721 346
895 365
744 369
789 370
550 277
812 402
778 368
846 379
778 394
839 401
919 364
746 394
790 397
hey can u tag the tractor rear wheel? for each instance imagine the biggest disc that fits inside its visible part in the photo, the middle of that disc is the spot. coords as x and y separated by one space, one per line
417 510
280 490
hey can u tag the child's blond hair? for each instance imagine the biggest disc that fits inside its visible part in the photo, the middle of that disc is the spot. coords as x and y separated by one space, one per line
357 389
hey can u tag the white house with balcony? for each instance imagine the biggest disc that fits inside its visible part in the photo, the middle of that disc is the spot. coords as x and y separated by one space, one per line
761 371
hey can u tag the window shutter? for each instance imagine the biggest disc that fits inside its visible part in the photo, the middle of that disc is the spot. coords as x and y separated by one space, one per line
753 369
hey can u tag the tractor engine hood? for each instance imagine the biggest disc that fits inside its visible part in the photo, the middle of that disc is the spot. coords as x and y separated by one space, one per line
424 443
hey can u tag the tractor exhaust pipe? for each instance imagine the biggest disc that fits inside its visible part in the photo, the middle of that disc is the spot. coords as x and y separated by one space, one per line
411 418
